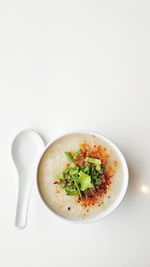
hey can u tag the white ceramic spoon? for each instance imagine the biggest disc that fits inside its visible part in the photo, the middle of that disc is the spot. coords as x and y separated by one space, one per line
26 150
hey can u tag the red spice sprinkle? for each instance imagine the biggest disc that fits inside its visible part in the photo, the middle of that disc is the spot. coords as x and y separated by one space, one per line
91 196
55 182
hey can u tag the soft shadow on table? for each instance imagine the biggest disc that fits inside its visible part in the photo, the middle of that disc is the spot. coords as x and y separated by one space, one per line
135 172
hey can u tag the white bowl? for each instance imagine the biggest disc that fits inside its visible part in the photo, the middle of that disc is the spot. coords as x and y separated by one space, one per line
122 190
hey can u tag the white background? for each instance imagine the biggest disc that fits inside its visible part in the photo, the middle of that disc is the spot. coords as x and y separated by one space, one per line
68 65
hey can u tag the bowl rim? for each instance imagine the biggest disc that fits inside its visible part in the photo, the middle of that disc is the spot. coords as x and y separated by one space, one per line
121 194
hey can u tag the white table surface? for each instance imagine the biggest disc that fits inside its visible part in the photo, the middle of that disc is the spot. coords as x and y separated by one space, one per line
68 65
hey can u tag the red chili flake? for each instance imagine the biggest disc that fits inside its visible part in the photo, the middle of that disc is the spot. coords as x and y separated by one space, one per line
55 182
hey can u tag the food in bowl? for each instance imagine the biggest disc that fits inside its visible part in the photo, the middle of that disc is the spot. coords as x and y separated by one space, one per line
80 176
87 174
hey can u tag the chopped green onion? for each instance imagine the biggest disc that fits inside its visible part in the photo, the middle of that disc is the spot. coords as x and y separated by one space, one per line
98 181
60 176
93 160
102 170
74 170
85 181
76 184
85 169
69 156
98 167
62 185
97 162
78 153
73 192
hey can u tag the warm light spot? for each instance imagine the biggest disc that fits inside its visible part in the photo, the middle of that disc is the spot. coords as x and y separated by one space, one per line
145 189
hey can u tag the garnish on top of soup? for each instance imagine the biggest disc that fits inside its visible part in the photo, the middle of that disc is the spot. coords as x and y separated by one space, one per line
87 174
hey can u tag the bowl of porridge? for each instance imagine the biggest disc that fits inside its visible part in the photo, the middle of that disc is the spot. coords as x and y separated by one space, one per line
82 176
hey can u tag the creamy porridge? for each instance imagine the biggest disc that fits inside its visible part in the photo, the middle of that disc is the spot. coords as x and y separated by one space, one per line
52 163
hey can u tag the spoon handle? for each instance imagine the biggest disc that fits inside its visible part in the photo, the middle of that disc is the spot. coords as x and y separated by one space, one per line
24 193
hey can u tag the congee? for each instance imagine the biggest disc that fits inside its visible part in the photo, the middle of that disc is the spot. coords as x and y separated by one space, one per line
79 176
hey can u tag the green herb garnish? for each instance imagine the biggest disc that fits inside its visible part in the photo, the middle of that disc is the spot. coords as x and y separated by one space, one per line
85 181
98 181
69 156
78 153
97 162
93 160
76 179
